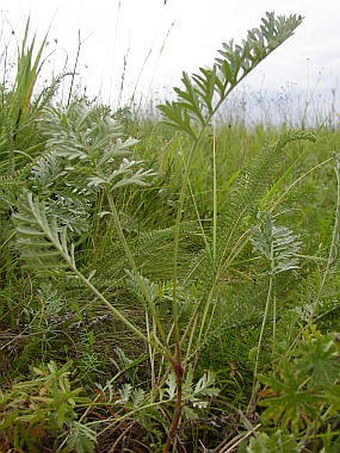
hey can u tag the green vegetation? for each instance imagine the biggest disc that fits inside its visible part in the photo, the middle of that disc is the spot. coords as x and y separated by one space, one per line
174 291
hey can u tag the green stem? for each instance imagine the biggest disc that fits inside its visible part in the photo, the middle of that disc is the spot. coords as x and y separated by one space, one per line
114 310
137 275
214 196
335 237
278 201
204 236
185 182
259 345
274 317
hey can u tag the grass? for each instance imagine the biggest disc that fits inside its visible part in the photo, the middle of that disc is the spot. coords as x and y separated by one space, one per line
178 291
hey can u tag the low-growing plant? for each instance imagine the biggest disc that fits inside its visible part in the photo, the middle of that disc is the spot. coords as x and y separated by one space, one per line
30 410
301 397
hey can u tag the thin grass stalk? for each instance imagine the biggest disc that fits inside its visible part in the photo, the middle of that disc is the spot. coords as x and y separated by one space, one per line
119 419
205 313
252 401
150 350
219 271
237 249
193 199
280 180
122 80
192 325
113 63
96 232
333 250
237 440
214 195
297 181
139 77
274 317
114 310
74 70
138 277
10 167
222 260
120 437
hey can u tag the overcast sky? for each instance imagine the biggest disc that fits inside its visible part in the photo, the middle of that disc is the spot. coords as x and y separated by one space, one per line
151 43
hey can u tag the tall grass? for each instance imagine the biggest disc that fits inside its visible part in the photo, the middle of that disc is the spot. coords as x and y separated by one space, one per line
208 244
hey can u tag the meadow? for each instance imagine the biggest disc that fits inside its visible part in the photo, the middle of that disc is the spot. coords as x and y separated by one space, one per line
168 282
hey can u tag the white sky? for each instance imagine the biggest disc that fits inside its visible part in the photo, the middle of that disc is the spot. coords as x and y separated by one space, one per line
182 35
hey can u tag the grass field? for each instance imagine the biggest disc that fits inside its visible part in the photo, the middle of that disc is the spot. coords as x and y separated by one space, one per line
167 283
